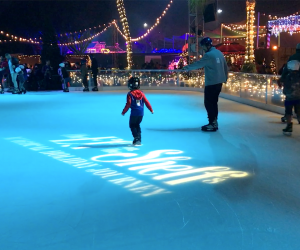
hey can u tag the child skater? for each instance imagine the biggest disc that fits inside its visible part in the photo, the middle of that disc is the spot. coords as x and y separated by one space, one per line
135 101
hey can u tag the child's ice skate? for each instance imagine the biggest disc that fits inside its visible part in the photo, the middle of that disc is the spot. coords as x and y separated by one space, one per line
95 89
136 142
86 89
288 130
66 90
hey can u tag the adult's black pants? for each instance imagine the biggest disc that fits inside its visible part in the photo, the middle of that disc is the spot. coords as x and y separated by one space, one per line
95 79
211 98
134 124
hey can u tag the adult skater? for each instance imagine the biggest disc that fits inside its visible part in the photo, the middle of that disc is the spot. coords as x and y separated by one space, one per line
291 89
216 73
136 100
285 72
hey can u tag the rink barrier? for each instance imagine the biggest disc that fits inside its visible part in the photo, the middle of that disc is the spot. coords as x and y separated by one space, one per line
257 90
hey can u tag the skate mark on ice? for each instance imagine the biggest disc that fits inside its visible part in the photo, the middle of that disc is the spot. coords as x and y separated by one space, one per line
242 230
183 220
214 207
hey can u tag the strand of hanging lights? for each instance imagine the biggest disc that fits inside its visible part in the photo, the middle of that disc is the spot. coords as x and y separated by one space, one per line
88 38
154 25
12 38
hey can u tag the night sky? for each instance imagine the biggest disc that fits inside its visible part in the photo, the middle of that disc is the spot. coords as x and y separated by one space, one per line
23 18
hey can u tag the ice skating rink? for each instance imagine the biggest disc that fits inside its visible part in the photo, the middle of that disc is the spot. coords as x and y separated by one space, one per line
70 180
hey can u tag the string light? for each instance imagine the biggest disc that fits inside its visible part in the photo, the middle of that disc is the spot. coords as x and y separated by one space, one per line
156 23
275 17
80 31
250 6
86 39
13 38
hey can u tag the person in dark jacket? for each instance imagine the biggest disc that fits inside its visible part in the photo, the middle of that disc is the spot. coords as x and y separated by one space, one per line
21 78
94 72
13 63
84 75
135 101
282 79
47 72
3 71
216 73
291 89
65 77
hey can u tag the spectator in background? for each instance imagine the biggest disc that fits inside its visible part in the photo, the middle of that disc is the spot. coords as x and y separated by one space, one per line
37 76
84 75
13 63
280 71
20 71
46 70
3 71
65 77
260 68
94 72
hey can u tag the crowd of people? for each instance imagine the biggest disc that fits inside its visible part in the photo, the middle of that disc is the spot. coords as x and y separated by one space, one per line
17 77
14 73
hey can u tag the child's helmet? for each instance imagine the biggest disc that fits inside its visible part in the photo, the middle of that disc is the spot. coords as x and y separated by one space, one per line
134 83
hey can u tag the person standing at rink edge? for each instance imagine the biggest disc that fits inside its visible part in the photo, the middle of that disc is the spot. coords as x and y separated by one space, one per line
94 72
216 73
136 100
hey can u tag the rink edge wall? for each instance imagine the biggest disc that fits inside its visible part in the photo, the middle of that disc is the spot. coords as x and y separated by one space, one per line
260 105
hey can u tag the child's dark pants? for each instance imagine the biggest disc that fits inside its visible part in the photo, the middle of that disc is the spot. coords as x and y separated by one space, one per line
134 124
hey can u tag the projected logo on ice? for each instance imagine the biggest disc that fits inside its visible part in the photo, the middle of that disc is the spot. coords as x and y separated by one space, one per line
159 166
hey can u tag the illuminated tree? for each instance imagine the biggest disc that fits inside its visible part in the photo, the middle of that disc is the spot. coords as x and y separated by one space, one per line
124 21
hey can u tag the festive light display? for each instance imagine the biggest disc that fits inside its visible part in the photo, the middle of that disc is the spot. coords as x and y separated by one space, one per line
257 87
123 17
250 7
289 24
12 38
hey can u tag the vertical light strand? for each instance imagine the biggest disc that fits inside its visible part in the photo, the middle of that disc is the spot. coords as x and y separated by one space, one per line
250 6
124 21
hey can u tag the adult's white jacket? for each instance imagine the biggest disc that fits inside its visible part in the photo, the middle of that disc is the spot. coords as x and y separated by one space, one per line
215 66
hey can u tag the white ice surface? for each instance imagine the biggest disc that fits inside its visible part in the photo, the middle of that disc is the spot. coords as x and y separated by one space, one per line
48 204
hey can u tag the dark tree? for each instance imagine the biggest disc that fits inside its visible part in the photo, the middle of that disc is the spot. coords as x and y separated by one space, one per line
50 50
